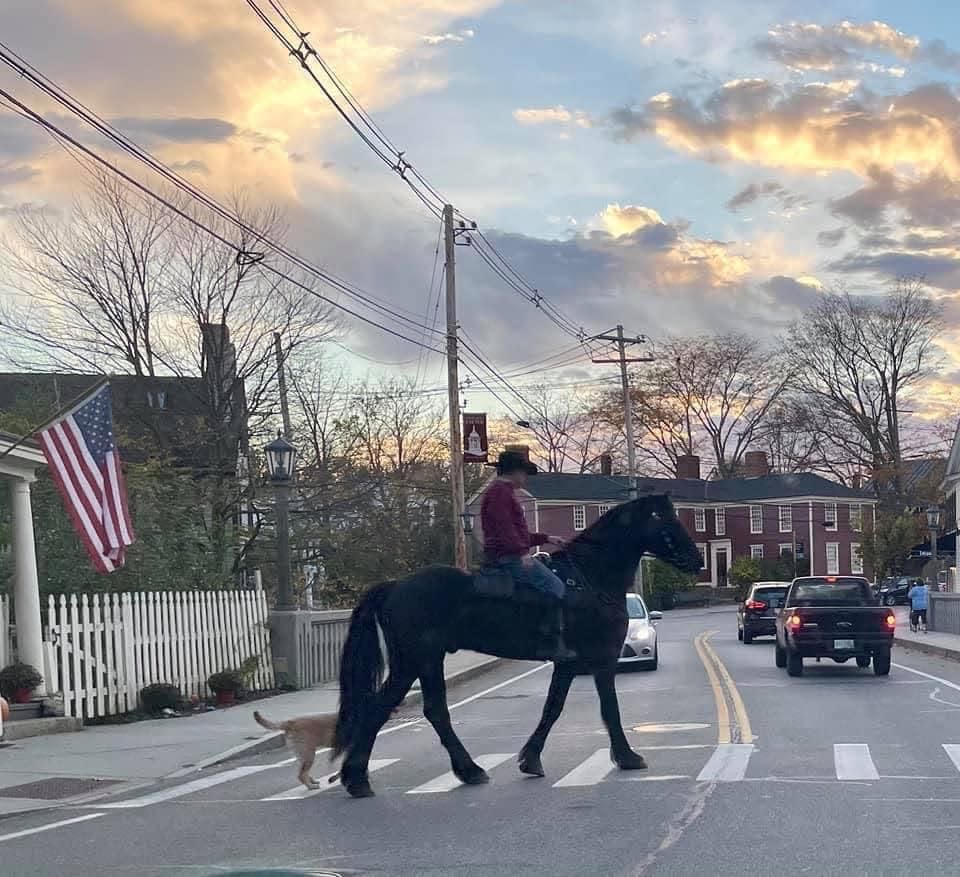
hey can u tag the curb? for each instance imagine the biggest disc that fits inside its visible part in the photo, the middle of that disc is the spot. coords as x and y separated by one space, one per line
273 741
929 648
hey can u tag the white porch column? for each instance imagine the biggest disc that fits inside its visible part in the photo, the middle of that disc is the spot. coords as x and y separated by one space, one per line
956 526
26 588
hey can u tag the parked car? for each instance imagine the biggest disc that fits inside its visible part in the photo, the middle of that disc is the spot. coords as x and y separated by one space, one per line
640 646
833 617
757 614
893 591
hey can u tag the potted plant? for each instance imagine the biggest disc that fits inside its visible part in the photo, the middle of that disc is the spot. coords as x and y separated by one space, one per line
18 681
225 686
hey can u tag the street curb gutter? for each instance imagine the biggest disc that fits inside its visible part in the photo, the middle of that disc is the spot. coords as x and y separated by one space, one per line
928 648
270 742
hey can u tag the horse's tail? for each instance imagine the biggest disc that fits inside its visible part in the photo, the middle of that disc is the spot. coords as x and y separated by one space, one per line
361 665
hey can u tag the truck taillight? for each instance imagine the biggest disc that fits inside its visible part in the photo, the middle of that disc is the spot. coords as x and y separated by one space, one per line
755 604
794 622
891 621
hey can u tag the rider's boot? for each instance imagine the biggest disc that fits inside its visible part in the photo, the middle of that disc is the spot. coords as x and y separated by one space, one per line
554 648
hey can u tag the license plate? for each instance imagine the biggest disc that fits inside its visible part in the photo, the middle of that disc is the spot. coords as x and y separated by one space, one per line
842 644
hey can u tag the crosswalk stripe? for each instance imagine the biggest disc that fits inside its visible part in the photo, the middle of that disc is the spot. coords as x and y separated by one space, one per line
193 786
327 782
590 772
852 761
728 764
449 781
953 750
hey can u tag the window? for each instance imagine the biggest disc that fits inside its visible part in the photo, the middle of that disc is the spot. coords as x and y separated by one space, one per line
830 516
703 554
856 517
156 399
786 549
602 510
833 558
756 552
786 519
856 559
756 519
720 521
700 520
579 517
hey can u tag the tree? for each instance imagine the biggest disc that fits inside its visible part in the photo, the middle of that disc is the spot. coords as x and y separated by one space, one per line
662 581
124 284
886 545
859 360
744 572
711 390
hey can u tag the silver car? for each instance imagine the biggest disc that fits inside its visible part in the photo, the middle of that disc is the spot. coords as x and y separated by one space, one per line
640 646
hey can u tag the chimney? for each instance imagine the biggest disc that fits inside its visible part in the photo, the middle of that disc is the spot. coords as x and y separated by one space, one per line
856 481
520 449
755 464
688 466
606 464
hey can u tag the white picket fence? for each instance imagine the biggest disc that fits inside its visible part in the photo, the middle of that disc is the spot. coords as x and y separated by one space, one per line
106 647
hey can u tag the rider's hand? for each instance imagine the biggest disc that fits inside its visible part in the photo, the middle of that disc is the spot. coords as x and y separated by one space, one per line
556 540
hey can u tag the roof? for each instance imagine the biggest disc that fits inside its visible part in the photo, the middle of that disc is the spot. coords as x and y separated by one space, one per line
921 475
143 427
569 487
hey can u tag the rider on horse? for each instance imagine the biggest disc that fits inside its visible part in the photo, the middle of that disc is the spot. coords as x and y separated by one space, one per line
507 541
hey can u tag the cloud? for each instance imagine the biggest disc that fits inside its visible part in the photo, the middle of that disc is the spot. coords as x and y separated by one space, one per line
11 174
192 166
748 195
812 126
827 47
438 39
558 115
177 130
927 201
941 271
797 293
648 39
831 238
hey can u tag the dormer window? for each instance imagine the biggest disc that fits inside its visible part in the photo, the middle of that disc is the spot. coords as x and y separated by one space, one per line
157 399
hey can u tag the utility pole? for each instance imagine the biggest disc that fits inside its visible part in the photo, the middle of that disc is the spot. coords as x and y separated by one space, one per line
622 359
453 392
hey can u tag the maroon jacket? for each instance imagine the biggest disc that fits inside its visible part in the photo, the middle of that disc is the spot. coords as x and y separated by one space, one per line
505 532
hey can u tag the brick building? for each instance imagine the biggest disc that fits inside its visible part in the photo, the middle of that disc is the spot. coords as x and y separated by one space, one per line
758 515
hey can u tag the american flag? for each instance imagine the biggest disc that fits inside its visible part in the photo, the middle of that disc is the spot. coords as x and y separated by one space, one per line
85 464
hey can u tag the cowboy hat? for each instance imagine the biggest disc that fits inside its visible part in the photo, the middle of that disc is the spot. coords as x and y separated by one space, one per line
511 461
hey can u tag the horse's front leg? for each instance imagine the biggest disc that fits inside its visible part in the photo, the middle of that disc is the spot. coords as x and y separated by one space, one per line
559 687
621 753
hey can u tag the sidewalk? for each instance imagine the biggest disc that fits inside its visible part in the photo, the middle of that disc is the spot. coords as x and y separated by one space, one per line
44 772
941 645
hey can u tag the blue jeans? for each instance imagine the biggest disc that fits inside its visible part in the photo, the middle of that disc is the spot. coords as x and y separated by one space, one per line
536 576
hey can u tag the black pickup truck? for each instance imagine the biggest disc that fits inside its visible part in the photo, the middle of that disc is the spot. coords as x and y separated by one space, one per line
833 617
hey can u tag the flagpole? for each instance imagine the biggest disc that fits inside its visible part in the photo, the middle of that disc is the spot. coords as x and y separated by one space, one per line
63 412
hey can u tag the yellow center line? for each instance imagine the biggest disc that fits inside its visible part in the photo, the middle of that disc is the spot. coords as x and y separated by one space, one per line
739 708
723 714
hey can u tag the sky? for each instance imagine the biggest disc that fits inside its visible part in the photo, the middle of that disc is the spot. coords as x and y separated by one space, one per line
676 167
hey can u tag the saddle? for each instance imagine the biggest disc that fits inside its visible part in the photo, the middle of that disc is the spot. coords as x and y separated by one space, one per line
496 583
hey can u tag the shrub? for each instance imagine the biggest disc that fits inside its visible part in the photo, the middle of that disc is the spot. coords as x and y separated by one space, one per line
226 680
160 696
18 676
661 581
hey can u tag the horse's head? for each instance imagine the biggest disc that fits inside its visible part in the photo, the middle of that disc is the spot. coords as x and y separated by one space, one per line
650 525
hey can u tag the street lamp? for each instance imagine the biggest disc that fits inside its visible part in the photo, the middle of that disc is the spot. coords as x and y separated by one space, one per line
467 518
281 458
933 524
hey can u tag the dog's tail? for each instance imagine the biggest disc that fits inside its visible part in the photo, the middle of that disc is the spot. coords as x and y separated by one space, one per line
273 726
361 666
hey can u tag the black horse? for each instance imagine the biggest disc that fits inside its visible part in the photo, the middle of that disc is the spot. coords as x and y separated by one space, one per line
439 609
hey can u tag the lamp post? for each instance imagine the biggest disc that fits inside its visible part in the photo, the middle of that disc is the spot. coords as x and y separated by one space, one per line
466 519
281 458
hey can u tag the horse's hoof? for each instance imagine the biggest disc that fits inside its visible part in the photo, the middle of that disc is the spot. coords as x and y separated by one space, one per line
359 790
474 776
530 765
630 761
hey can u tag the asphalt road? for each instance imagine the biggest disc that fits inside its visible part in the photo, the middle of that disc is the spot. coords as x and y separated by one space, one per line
751 772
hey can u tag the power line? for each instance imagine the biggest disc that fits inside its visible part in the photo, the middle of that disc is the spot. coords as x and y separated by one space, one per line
379 143
12 60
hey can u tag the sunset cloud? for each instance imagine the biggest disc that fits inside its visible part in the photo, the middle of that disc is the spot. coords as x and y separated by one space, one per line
818 126
438 39
750 194
558 115
827 47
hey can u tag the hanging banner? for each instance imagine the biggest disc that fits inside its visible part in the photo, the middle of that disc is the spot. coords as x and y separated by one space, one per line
474 438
